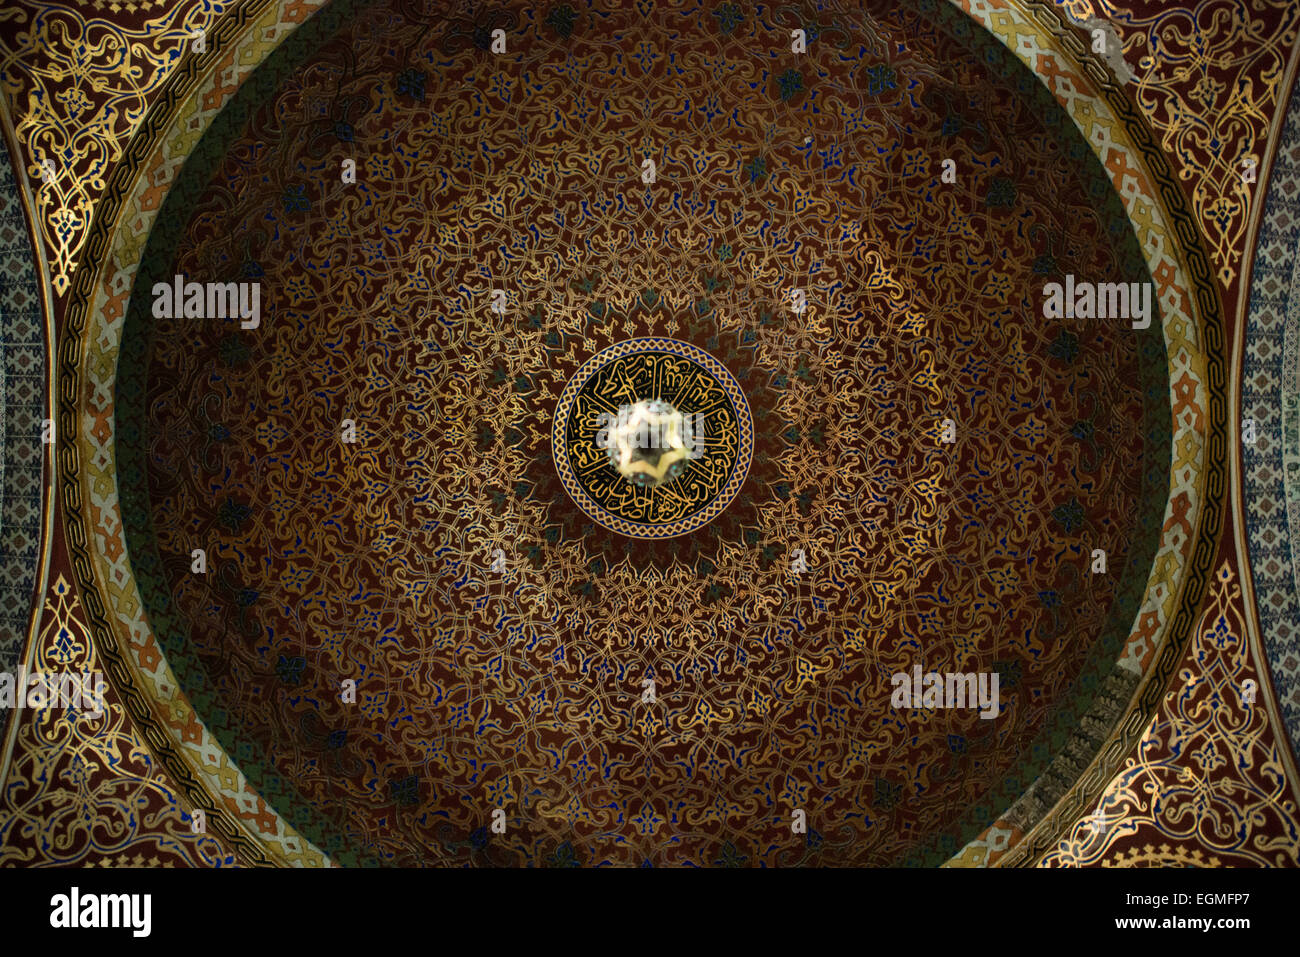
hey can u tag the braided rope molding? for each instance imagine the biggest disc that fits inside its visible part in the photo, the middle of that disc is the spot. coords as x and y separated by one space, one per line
1088 789
176 89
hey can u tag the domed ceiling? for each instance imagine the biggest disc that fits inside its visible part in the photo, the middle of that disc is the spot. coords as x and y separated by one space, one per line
374 588
522 688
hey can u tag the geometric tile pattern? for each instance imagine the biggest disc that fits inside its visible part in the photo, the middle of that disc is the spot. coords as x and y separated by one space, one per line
1270 398
22 411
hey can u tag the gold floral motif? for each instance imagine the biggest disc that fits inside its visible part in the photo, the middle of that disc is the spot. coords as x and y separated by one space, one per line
57 796
76 87
1206 772
1207 79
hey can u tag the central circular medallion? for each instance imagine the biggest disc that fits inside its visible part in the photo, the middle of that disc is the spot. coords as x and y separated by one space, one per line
652 438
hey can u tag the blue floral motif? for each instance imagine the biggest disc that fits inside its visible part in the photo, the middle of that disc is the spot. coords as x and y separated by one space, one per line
232 515
564 856
411 83
561 19
405 791
289 670
295 199
880 78
1002 193
1065 347
790 83
1070 515
729 17
730 856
